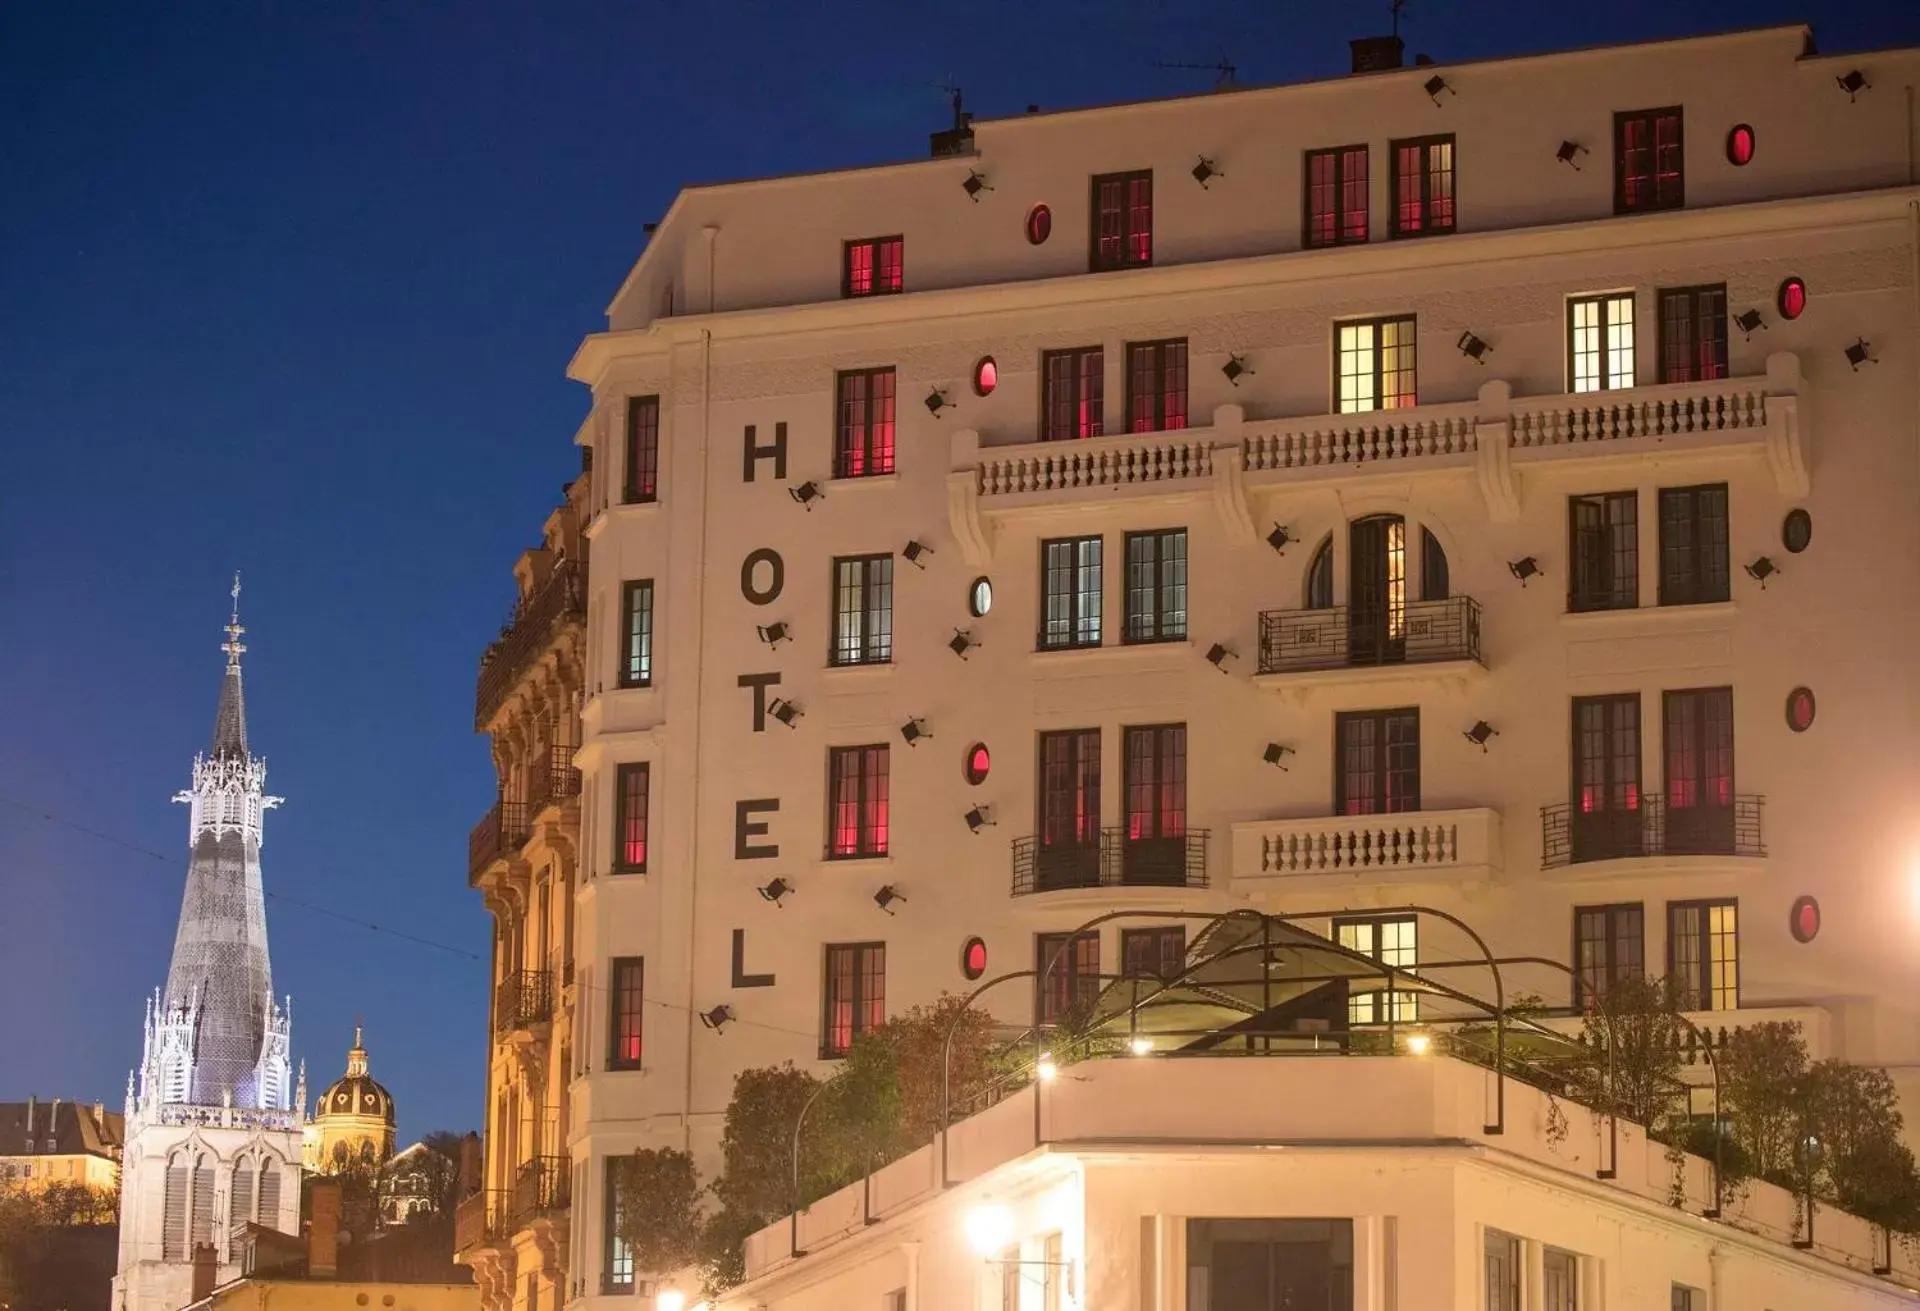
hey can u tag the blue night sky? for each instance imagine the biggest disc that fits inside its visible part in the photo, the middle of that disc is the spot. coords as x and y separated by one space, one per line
289 289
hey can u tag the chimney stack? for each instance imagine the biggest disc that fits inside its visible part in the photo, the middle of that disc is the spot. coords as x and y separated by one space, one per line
470 1177
1376 54
30 1101
205 1271
323 1231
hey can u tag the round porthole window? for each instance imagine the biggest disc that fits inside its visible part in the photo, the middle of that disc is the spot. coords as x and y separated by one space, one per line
980 596
1740 145
1800 709
1803 921
978 764
973 958
1793 298
1797 531
1039 224
986 376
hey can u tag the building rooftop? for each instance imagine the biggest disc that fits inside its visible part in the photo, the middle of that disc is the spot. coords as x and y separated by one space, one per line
60 1128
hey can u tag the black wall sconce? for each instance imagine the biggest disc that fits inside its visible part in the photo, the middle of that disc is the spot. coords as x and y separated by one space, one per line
1434 85
1524 568
775 633
1275 753
1278 539
915 552
1761 570
1569 152
1234 367
979 817
915 729
774 890
885 898
937 401
1204 172
1860 353
1853 82
785 711
807 493
1480 733
718 1018
974 185
962 643
1749 323
1474 348
1218 655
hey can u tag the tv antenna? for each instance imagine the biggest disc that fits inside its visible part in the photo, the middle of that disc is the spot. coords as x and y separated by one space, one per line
1222 69
1396 8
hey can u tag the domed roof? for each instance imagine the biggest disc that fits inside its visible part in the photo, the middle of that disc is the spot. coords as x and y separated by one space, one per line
358 1093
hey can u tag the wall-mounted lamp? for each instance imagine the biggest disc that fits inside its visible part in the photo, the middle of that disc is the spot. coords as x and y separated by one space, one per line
1275 753
979 817
1860 353
1234 367
1474 348
1204 172
717 1018
785 711
915 552
1434 85
913 730
937 401
1278 539
1524 568
1853 82
885 898
974 185
962 643
1218 655
775 633
774 890
1749 322
1761 570
806 493
1480 733
1570 151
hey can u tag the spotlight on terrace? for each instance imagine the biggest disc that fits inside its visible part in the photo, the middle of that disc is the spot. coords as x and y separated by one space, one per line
974 185
1860 353
1853 82
1749 323
1140 1046
716 1019
913 730
1481 733
1278 539
775 633
670 1299
937 401
1235 366
1218 655
979 817
1275 753
1419 1044
1474 348
1569 153
962 643
785 711
1524 568
916 552
989 1229
1761 570
774 891
1046 1069
1204 172
1434 85
885 898
806 493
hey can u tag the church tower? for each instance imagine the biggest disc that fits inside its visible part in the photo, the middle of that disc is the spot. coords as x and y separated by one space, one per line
213 1137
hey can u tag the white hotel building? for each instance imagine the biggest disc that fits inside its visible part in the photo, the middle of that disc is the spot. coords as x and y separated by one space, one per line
1488 487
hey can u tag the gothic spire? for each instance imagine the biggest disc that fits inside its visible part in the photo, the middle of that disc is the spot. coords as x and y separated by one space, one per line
230 721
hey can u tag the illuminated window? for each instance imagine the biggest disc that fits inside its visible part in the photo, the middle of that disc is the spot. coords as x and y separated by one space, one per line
1800 707
1376 761
1070 592
1648 164
1699 771
1392 940
980 597
636 634
973 958
1156 385
1740 145
1604 551
1703 953
1608 946
1122 220
979 763
1156 586
1336 185
1693 544
1600 342
1693 333
1039 224
1067 846
1375 360
986 376
626 980
1154 785
865 429
857 782
643 450
862 610
1072 399
616 1274
872 267
1156 953
630 819
1422 191
856 995
1607 821
1066 974
1792 298
1803 921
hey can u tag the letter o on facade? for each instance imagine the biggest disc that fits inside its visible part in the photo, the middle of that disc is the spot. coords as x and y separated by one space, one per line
776 576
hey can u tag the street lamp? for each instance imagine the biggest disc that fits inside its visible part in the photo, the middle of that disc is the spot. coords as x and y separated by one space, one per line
989 1229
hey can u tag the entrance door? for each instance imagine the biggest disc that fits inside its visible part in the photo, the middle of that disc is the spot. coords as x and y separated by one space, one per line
1377 590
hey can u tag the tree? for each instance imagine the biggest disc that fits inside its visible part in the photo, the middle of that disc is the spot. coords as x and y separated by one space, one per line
660 1208
1634 1034
1762 1069
439 1168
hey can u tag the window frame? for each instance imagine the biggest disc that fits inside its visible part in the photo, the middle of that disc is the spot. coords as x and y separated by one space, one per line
1699 311
1614 777
1686 568
1127 234
1512 1257
1154 944
1086 400
1622 119
1076 596
862 1006
873 639
1701 987
1404 1004
620 993
1566 1296
1163 790
1160 395
1378 374
1341 157
871 800
1076 978
1606 302
636 633
1082 764
1396 230
624 815
1607 542
876 246
1614 969
1383 721
617 1270
1164 596
866 449
641 452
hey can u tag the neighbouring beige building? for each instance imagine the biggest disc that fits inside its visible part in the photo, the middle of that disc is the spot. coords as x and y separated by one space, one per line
61 1142
1485 486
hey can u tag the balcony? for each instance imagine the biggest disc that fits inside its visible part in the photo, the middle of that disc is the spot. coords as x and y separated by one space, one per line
540 1188
557 602
1711 1031
1653 828
1423 846
523 999
1113 860
479 1219
551 778
502 832
1343 643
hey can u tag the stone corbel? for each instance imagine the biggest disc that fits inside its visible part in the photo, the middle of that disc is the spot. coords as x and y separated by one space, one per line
550 1237
963 500
1493 453
1786 425
1229 474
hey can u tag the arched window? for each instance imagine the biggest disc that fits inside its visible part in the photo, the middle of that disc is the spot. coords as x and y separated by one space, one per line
1434 578
1320 577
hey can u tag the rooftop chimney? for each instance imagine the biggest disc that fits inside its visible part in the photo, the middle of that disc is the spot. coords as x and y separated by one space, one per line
1376 54
470 1176
206 1269
323 1231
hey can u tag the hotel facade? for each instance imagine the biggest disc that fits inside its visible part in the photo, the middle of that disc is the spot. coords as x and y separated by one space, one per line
1484 487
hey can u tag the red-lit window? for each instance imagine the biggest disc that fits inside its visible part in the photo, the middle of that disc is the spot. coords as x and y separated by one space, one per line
979 763
1422 191
857 818
1336 185
986 376
630 819
1693 333
872 267
624 1023
973 958
1156 782
1067 974
1648 165
1740 145
856 995
1699 747
864 447
1377 762
1800 709
1606 822
1073 387
1156 385
1039 224
1793 298
643 450
1070 787
1122 220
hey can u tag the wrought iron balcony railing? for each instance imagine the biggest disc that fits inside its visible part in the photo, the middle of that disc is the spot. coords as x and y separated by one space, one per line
561 599
1342 636
551 778
1112 859
523 999
1652 827
480 1217
503 830
540 1187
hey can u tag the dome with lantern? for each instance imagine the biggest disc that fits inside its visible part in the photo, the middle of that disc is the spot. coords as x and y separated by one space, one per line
353 1119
